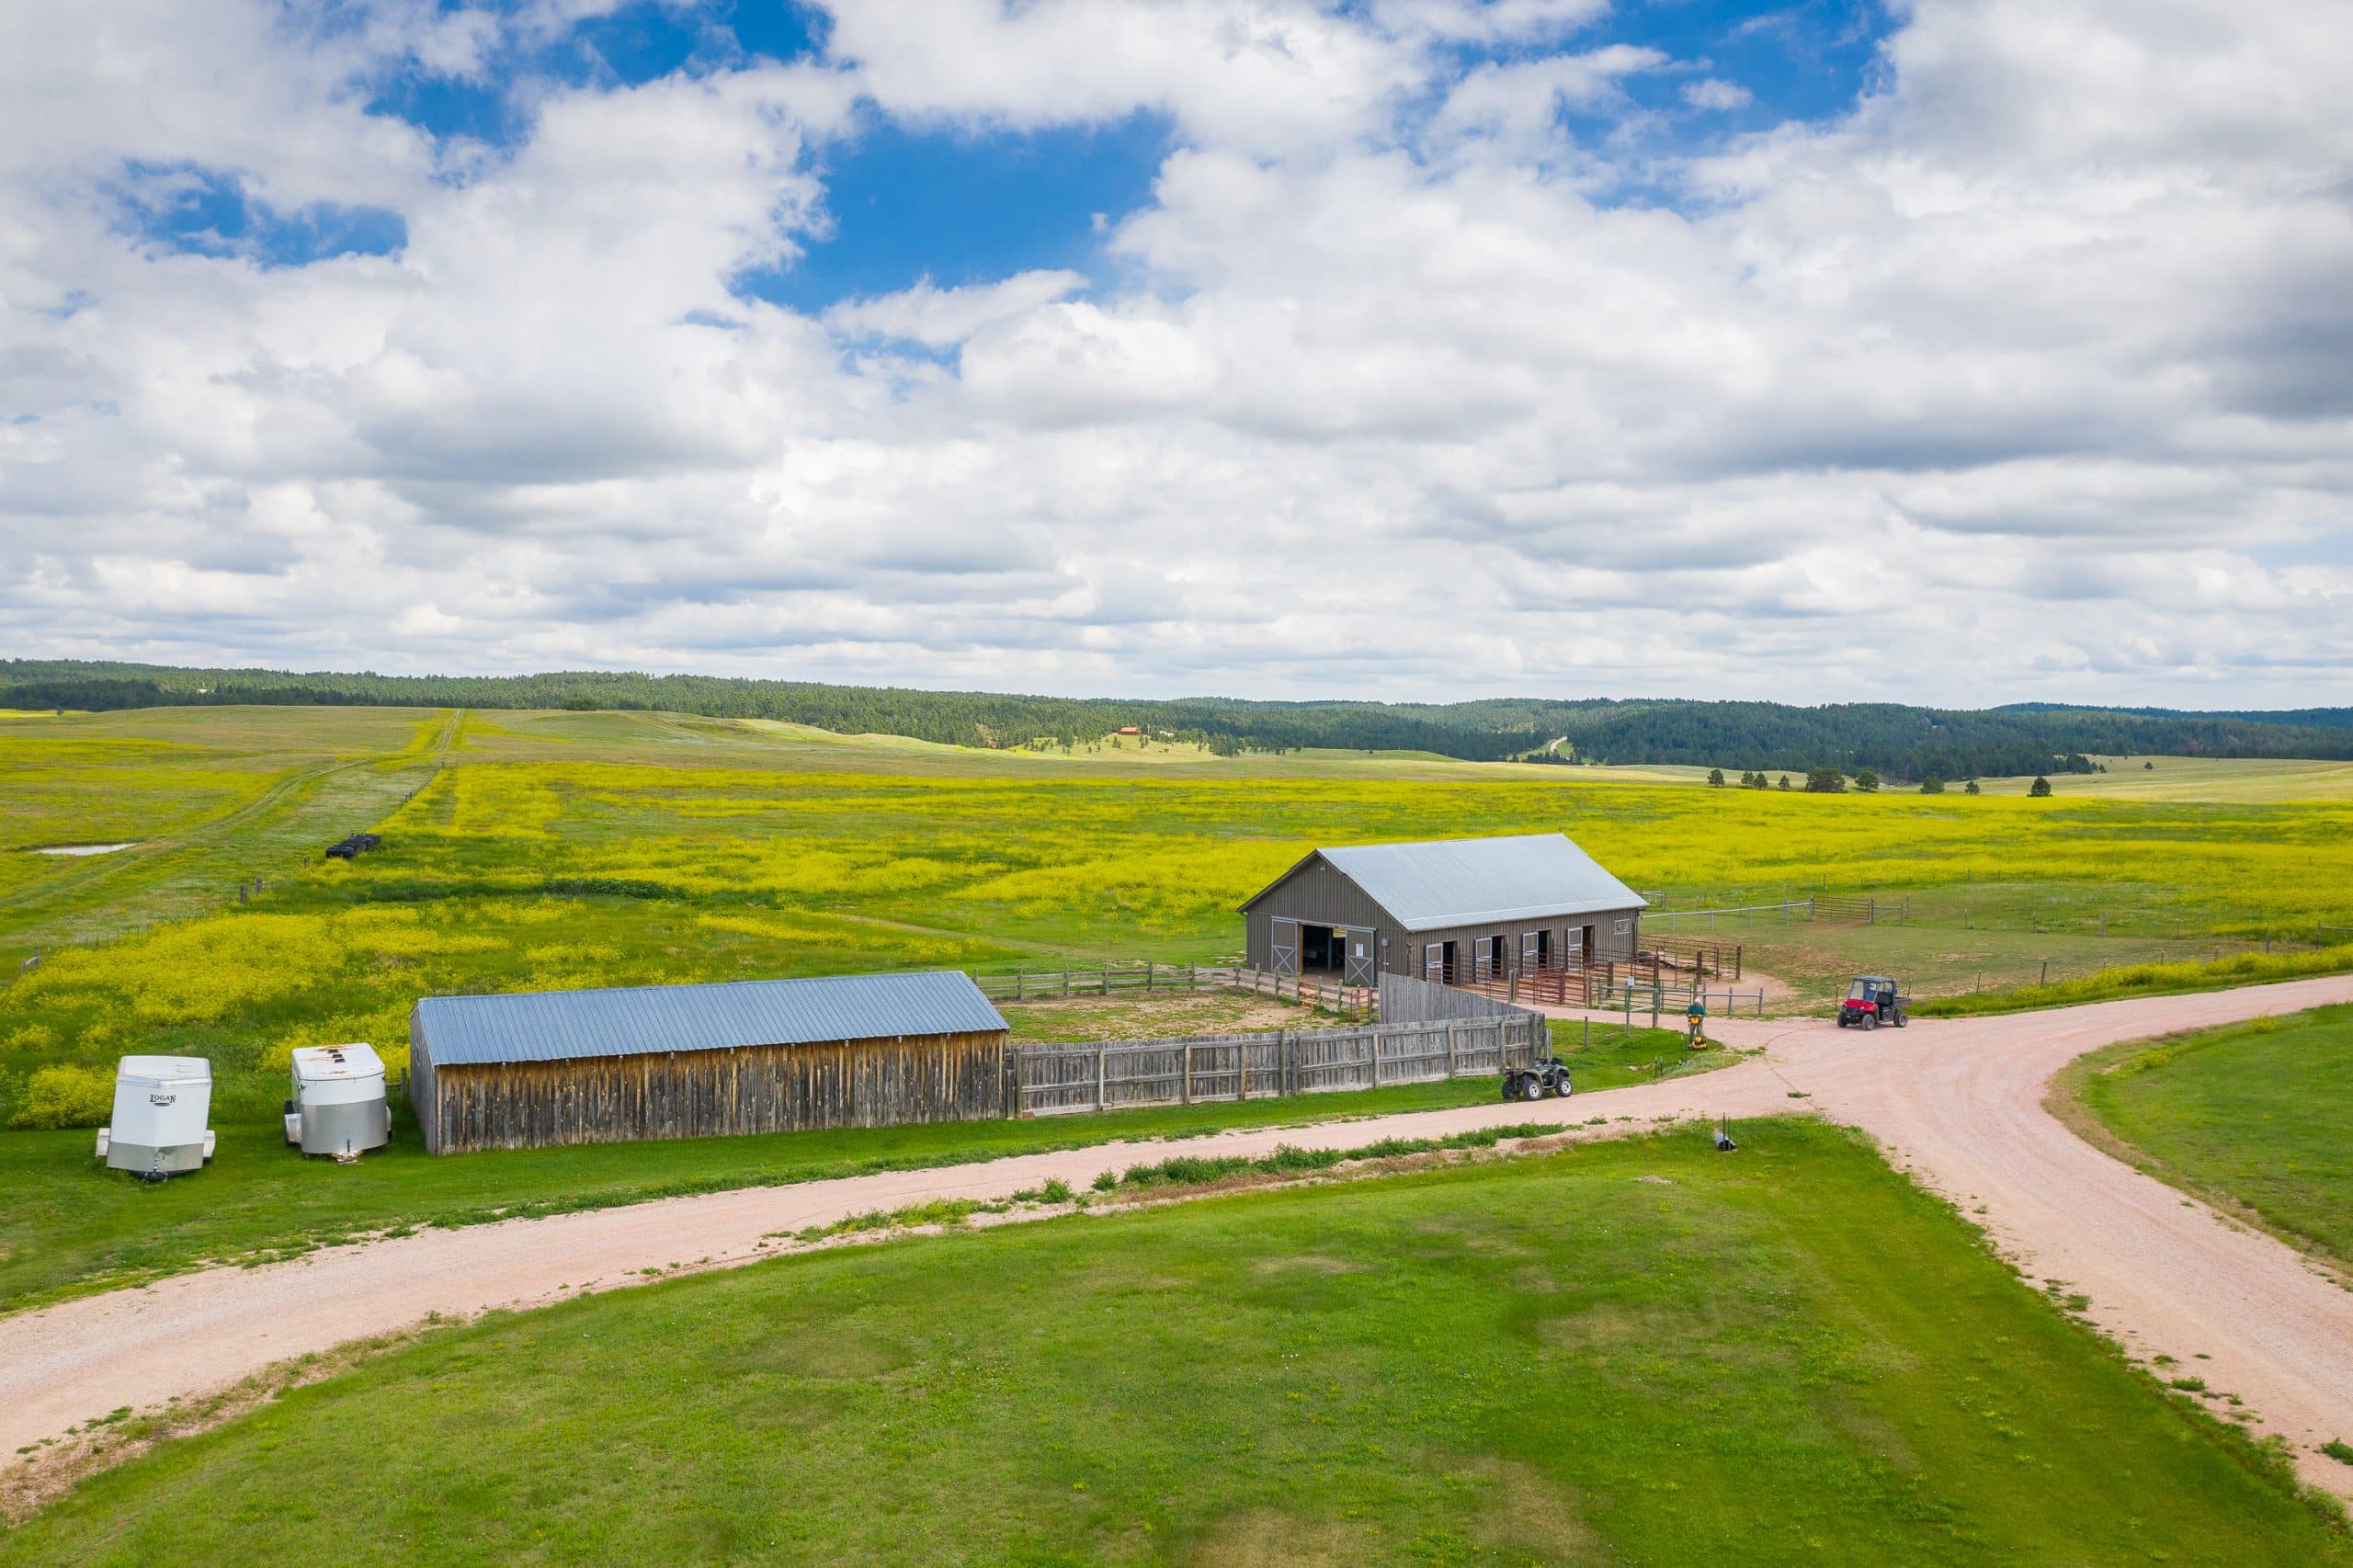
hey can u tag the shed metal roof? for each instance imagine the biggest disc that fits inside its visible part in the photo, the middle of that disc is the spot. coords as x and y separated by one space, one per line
1466 881
562 1026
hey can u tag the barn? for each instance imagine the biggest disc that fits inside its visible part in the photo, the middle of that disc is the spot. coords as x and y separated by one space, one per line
1459 911
533 1068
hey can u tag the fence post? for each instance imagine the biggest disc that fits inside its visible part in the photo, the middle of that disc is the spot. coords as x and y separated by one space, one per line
1188 1072
1286 1061
1147 974
1102 1073
1449 1050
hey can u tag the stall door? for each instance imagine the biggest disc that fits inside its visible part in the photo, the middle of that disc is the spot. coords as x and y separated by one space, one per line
1284 945
1362 968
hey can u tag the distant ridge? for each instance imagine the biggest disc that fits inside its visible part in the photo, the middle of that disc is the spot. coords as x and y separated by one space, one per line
1903 743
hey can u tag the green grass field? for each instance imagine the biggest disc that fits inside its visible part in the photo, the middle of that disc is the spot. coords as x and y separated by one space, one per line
544 850
1639 1352
2252 1115
71 1225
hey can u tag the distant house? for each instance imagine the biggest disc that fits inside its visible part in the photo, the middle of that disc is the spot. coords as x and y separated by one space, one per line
539 1067
1129 730
1451 910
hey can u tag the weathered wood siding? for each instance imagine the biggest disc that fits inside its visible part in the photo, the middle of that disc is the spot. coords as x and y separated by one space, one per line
702 1094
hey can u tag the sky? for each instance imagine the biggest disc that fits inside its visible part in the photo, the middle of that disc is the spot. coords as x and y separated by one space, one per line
1947 351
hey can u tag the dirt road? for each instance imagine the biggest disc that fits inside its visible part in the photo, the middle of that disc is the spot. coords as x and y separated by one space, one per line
1957 1104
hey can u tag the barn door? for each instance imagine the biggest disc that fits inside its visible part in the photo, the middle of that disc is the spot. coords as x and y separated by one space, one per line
1361 967
1576 947
1285 945
1434 963
1482 960
1532 952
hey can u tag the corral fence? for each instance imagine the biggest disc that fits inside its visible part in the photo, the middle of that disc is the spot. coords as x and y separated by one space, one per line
1745 917
1145 975
1427 1033
1846 910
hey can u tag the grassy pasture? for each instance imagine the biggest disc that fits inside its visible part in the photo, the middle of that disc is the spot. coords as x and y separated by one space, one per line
1636 1352
543 850
71 1225
546 850
2253 1115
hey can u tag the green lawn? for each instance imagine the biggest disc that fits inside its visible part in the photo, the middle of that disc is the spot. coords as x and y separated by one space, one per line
69 1225
2255 1113
1639 1352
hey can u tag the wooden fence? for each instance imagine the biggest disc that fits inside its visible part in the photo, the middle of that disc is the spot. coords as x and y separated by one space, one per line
1860 910
1128 1074
1692 955
1145 975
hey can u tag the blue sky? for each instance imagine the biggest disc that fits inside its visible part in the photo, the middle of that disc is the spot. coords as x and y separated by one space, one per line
1276 347
964 203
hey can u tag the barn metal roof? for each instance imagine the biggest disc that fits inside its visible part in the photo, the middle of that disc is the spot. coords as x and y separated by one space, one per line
1465 881
562 1026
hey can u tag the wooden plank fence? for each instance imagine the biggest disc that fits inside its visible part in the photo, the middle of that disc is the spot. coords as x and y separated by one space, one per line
1128 1074
1145 975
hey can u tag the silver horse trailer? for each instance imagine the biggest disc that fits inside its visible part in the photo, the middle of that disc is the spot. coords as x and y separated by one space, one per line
338 1102
160 1107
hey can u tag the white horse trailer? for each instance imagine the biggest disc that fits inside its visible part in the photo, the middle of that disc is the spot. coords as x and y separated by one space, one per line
338 1104
160 1107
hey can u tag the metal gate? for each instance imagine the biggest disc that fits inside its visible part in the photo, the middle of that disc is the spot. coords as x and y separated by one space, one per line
1284 944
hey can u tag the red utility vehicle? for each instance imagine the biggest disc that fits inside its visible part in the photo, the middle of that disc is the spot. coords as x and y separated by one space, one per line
1871 1001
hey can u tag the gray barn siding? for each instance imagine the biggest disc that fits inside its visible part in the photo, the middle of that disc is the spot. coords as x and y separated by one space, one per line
701 1094
1317 894
1465 938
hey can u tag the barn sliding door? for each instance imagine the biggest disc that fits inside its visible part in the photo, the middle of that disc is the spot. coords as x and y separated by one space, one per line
1284 945
1361 967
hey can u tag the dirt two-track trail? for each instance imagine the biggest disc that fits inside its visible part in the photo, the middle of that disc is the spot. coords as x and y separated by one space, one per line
1957 1104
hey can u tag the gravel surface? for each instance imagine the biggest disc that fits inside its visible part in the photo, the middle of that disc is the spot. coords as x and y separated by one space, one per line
1956 1103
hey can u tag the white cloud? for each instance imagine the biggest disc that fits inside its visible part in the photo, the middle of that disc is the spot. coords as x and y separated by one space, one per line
1714 93
943 317
2048 335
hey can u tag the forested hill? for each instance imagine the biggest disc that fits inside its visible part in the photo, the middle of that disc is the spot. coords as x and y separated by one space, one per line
1902 742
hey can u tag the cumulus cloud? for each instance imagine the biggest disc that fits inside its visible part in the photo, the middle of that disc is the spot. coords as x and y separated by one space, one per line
1714 93
2023 376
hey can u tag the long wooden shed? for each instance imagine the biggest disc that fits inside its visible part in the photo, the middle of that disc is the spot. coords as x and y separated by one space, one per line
533 1068
1452 910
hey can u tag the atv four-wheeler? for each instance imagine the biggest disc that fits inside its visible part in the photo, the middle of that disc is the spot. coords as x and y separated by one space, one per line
1546 1078
1871 1001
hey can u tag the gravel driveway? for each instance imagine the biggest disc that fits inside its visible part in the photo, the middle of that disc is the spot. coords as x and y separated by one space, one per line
1958 1104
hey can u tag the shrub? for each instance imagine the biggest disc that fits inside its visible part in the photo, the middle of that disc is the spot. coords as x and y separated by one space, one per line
1823 781
1932 784
2042 787
1970 789
1867 781
66 1096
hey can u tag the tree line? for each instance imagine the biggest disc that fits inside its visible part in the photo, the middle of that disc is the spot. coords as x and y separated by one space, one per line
1902 744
